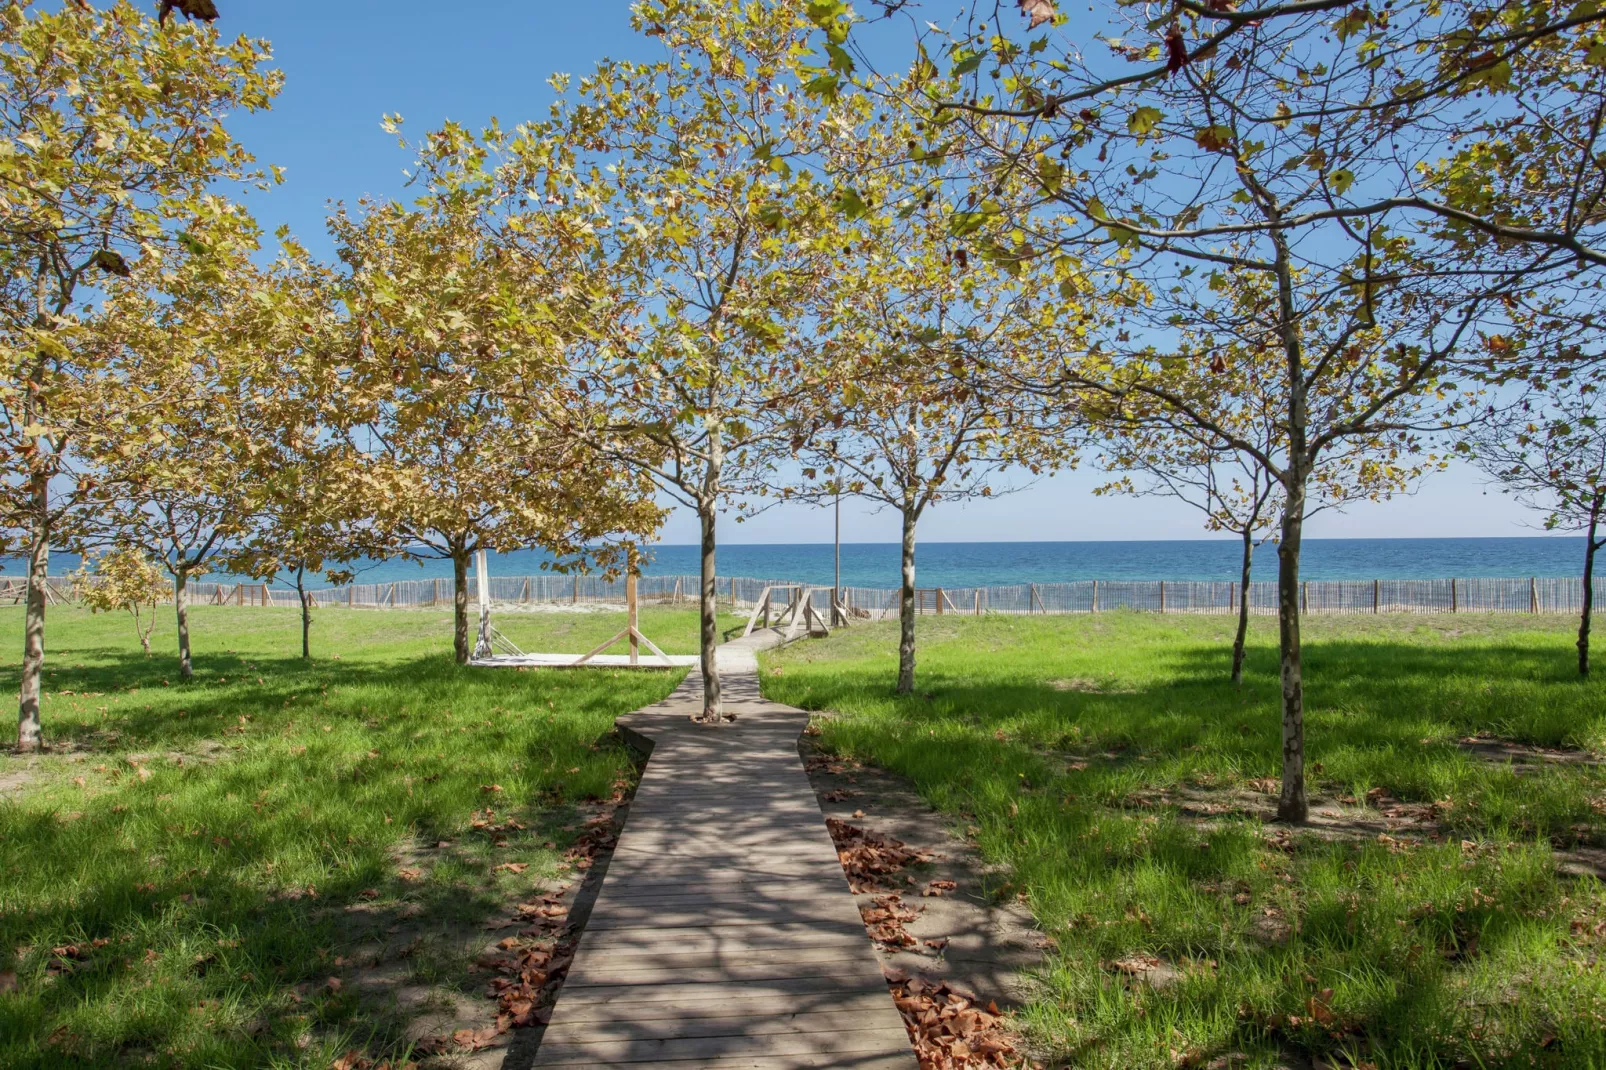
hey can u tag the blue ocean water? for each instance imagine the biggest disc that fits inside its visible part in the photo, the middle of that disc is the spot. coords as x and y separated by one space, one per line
981 564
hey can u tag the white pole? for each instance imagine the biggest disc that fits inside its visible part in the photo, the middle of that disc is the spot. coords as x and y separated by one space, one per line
482 648
836 591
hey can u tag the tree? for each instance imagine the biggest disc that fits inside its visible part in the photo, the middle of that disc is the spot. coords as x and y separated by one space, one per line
306 514
692 182
1549 451
1239 171
1232 490
118 146
187 494
448 334
907 407
122 579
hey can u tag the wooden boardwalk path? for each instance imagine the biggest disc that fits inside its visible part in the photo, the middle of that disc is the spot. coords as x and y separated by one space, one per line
724 934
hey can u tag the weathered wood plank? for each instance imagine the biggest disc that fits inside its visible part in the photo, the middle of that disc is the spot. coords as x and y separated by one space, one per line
612 1050
756 1008
724 935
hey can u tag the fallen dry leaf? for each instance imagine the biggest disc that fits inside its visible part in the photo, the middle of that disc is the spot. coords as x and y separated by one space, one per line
1039 11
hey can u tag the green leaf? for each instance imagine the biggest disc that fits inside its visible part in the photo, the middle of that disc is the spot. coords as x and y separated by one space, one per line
1143 120
969 63
1341 180
850 204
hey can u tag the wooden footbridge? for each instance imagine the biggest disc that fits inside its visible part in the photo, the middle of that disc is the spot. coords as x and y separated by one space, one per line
724 934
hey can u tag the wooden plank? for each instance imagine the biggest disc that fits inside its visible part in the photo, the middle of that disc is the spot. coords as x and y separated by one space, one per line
579 1014
801 1061
616 1051
724 933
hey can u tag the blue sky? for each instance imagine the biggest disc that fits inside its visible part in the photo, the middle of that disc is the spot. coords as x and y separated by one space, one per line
348 64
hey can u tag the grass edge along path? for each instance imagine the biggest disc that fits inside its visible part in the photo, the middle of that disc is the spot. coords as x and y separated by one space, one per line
1077 751
203 874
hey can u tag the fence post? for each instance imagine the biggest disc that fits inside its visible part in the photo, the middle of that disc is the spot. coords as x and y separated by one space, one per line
526 595
351 595
1377 596
630 614
1455 606
939 601
1162 596
577 588
978 601
267 599
1304 597
1533 594
1031 598
1095 596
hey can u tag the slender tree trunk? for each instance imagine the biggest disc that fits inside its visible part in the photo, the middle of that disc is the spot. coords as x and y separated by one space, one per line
181 606
144 630
1242 637
460 648
1590 546
906 605
29 733
306 614
713 699
1292 806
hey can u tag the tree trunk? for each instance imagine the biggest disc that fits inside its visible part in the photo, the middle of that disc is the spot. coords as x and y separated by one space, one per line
29 733
460 648
181 606
1292 806
306 614
143 630
713 706
1239 640
1590 546
906 606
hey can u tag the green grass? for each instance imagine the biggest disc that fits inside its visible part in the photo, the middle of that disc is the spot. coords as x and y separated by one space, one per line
217 850
1054 743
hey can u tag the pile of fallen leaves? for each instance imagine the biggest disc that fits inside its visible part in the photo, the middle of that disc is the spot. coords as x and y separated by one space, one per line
869 858
949 1031
883 919
529 968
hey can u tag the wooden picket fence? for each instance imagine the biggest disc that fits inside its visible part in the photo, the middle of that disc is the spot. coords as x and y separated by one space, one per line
1532 595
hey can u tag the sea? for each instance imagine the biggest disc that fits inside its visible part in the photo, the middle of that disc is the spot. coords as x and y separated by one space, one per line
988 564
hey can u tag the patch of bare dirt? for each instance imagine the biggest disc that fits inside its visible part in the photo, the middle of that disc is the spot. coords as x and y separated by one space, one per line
1091 686
954 952
1394 823
516 960
1524 757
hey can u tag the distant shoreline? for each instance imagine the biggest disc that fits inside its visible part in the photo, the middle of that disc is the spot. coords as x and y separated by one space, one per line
992 564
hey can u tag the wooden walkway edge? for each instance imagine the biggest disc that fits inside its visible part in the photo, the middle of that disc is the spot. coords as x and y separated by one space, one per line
724 934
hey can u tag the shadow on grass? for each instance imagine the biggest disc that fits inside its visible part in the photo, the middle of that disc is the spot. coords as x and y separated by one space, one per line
192 913
158 709
1206 938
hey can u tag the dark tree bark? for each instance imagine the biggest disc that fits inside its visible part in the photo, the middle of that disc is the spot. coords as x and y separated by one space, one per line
181 607
460 647
906 605
1292 805
306 613
29 730
1239 640
1591 544
708 610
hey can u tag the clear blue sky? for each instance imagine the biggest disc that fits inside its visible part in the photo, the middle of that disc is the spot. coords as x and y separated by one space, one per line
347 64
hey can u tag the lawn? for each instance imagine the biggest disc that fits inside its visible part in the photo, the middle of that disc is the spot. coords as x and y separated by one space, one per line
196 873
1121 782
